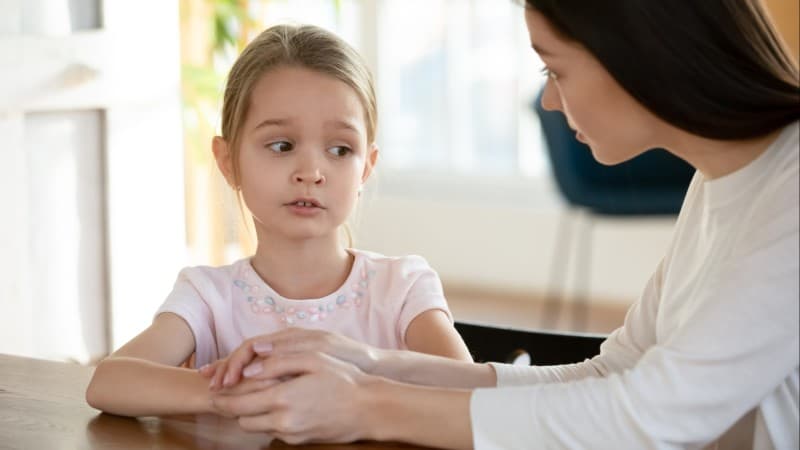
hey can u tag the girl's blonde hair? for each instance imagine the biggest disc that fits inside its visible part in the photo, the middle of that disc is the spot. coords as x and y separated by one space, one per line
305 46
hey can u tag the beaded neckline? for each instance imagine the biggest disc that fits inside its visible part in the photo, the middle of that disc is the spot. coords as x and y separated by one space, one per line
263 300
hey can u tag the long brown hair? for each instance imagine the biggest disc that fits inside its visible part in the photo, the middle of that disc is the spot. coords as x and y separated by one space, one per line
715 68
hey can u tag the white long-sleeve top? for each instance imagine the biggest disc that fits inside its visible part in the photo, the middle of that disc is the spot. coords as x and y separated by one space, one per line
712 341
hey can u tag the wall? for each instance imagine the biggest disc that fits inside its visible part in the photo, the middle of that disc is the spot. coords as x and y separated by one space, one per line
786 14
501 235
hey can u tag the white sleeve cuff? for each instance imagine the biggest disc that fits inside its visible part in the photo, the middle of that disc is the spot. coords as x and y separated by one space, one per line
503 418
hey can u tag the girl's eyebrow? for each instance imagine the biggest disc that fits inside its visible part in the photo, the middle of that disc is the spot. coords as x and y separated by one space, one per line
271 122
343 124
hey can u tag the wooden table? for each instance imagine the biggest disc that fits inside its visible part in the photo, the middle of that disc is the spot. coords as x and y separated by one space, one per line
42 406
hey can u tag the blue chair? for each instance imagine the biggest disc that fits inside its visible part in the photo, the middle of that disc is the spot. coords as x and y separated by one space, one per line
653 183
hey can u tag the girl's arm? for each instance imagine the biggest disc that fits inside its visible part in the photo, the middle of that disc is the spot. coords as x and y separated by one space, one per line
142 377
431 332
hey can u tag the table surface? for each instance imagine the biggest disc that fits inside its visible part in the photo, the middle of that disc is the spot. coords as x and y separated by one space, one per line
42 406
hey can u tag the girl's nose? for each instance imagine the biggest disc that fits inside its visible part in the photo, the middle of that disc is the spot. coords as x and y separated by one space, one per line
309 176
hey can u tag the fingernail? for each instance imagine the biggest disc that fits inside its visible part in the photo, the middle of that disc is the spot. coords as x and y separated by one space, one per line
203 368
252 369
262 347
227 380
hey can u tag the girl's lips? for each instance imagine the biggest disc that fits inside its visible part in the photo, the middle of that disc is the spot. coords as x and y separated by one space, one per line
306 202
303 210
579 136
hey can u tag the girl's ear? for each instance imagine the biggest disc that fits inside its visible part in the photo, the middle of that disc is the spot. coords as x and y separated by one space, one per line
222 155
371 160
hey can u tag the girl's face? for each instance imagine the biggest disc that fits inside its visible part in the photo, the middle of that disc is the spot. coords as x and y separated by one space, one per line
303 156
614 125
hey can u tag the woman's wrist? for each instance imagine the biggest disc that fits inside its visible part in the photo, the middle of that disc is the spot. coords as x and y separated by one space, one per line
370 406
391 411
375 358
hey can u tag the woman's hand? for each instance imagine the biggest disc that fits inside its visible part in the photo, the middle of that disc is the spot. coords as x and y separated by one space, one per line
228 371
320 399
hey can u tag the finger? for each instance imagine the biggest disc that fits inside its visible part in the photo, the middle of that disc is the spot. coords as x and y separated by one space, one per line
253 403
275 397
290 340
285 366
216 380
207 370
236 362
262 345
211 369
278 424
248 386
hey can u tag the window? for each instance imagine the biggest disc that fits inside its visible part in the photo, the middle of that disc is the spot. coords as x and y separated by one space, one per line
455 87
92 232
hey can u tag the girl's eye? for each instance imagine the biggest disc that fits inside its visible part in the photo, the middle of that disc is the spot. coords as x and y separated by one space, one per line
339 151
549 73
280 146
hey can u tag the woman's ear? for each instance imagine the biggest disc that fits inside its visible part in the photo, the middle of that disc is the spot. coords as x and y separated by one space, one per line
371 160
222 155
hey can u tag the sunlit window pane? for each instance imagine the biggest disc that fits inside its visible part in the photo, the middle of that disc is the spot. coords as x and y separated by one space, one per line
450 86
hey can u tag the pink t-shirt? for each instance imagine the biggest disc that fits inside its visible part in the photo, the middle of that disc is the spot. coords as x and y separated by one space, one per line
382 295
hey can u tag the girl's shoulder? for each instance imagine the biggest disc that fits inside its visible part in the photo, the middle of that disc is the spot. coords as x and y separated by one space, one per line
205 278
405 266
383 272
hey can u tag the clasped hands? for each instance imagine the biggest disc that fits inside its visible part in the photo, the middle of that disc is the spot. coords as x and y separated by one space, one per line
297 385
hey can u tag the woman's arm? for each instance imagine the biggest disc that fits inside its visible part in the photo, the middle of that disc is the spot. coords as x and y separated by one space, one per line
400 365
142 377
328 400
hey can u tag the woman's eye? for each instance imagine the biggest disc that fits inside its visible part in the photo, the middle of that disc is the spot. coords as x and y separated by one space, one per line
280 146
549 73
339 150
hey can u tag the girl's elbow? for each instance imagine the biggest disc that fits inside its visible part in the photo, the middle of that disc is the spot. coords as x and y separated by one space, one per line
94 391
92 395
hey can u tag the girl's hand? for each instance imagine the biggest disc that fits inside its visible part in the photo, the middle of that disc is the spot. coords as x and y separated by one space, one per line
229 371
216 372
245 387
319 401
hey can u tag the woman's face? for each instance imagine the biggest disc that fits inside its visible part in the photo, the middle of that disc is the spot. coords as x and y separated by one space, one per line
604 116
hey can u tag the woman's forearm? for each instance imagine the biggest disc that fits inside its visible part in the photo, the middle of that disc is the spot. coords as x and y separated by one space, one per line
136 387
416 414
429 370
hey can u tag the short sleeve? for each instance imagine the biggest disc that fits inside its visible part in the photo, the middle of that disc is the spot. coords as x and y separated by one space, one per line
424 292
186 300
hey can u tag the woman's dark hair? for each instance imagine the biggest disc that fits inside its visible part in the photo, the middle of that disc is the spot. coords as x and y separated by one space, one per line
715 68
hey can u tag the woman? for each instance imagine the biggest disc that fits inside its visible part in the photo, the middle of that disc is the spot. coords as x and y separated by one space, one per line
709 353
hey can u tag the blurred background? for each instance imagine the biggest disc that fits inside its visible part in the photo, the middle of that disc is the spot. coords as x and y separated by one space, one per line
108 187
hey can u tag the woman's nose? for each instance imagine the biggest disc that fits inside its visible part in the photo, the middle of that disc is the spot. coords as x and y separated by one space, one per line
551 101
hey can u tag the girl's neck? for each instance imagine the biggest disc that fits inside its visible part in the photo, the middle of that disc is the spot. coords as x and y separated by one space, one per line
302 270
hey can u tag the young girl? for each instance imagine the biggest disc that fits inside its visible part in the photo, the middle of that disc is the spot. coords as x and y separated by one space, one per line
298 143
